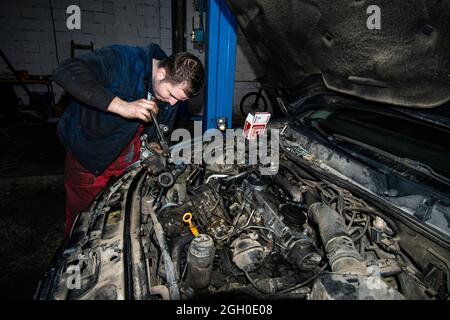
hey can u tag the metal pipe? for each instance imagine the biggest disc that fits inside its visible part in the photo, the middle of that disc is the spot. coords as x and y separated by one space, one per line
168 263
216 176
160 290
176 253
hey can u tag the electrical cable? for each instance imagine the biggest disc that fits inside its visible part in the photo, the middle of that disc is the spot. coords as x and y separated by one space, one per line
392 224
254 283
54 31
302 284
366 227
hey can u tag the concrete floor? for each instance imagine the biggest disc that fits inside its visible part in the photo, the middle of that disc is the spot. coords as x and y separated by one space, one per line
32 204
31 229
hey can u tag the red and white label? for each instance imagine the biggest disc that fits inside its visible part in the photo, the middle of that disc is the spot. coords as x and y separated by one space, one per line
255 124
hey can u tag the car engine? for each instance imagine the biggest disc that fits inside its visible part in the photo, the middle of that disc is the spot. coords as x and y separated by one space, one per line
272 237
175 231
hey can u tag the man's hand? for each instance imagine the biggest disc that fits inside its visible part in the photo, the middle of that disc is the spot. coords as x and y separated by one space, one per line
139 109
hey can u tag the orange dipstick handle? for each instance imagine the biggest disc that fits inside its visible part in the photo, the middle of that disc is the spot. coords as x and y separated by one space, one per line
187 218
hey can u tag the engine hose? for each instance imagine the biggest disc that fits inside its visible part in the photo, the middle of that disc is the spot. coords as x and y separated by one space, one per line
168 263
296 171
160 290
176 253
304 282
363 232
340 248
373 213
279 285
250 291
166 206
288 168
287 187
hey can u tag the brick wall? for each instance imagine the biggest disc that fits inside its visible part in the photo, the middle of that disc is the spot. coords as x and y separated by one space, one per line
26 34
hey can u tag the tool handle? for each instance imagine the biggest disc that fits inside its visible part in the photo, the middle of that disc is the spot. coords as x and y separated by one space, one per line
187 218
194 230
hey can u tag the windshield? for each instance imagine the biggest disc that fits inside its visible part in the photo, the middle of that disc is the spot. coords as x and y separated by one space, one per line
396 135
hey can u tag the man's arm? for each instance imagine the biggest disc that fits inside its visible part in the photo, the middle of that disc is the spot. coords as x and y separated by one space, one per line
86 77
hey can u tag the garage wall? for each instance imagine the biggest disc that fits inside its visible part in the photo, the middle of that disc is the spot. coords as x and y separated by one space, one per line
26 34
247 68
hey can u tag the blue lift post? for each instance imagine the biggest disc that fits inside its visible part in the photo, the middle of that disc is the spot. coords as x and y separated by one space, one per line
221 28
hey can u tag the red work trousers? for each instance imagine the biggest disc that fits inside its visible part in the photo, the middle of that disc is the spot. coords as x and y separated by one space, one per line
82 186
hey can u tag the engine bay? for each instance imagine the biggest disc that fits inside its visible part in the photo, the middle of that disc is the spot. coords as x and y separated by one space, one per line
227 231
276 237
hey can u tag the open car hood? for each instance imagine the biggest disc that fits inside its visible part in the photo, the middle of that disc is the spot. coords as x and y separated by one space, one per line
405 63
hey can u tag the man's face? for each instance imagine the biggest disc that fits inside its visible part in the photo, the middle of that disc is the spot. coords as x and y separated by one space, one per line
166 91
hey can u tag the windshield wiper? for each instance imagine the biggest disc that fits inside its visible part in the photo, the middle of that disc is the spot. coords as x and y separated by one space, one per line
412 164
334 138
331 139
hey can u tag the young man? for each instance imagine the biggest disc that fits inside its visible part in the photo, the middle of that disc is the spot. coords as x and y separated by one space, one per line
111 89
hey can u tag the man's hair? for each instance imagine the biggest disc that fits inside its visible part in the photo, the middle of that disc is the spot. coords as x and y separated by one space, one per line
184 67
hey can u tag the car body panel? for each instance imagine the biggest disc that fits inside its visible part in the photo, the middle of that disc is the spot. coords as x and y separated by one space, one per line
405 62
